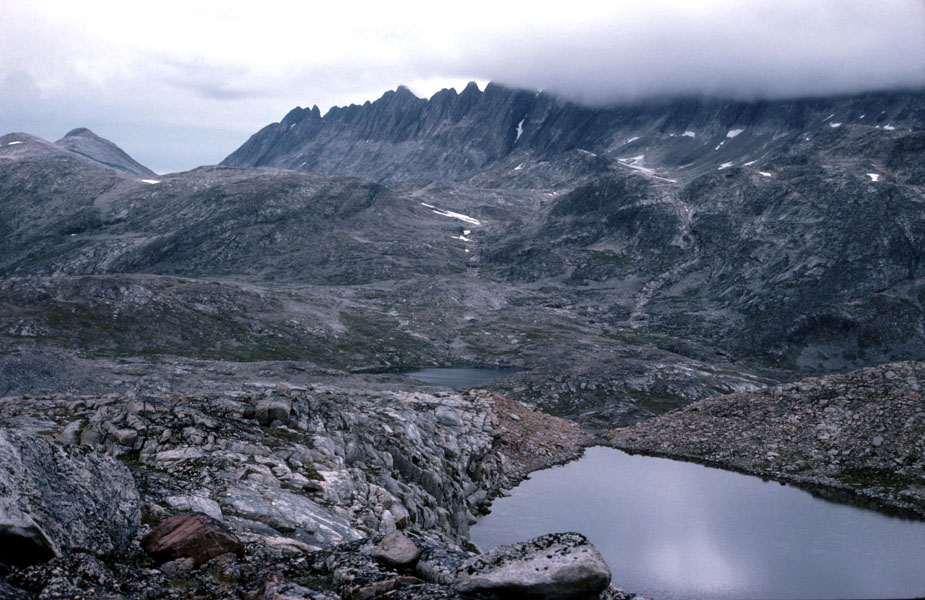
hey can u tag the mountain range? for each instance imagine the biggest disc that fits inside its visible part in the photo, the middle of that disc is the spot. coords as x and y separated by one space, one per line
626 260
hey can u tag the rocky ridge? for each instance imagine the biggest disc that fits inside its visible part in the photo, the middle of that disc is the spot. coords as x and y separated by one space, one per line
528 139
854 437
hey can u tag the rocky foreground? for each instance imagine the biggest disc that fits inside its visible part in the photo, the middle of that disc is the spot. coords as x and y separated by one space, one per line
856 437
277 492
343 490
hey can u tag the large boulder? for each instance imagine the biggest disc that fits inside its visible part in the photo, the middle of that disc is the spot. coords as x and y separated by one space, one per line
196 536
56 500
396 550
561 566
273 408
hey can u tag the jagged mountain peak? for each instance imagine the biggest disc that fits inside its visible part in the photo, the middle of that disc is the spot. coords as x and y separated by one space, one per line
525 138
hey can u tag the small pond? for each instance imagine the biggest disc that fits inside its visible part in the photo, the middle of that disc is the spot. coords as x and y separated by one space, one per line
677 530
457 377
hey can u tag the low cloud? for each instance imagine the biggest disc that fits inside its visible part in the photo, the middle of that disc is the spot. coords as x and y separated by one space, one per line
209 67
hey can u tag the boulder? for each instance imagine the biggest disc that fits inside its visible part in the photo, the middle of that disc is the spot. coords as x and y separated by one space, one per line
190 535
439 564
396 550
561 566
273 408
56 500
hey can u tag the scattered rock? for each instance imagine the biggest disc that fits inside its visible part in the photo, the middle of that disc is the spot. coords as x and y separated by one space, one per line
561 566
190 535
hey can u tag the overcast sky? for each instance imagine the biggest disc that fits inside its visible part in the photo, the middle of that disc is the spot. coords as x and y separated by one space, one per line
178 84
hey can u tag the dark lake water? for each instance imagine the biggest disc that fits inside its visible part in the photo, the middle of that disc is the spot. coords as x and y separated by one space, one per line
457 377
675 530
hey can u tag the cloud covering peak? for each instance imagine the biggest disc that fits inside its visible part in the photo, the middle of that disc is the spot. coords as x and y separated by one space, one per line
188 82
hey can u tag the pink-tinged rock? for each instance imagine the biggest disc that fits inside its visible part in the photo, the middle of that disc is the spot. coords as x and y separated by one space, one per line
190 535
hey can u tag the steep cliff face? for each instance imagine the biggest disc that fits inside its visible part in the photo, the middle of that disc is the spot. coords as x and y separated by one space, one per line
519 138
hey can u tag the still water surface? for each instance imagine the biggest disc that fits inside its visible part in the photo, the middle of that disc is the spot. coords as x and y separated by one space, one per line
674 530
458 377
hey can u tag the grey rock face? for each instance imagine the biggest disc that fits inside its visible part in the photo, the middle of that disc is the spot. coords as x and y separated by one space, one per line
562 566
84 142
56 500
485 136
288 511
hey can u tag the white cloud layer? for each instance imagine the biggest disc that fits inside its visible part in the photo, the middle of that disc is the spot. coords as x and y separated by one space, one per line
184 83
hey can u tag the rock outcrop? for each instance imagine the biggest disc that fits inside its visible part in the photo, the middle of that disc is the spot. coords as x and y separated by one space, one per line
855 436
348 462
525 138
58 500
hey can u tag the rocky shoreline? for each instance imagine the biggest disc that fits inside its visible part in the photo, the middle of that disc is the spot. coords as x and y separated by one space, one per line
342 490
275 492
856 438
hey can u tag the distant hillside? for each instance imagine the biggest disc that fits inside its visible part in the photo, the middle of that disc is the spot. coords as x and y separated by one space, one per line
86 143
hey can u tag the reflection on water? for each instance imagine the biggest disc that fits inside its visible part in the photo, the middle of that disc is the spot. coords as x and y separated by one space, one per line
675 530
458 377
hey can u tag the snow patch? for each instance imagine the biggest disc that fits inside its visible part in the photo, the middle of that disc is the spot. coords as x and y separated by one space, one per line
467 231
725 165
452 215
689 134
14 143
636 163
889 127
519 167
765 173
152 181
631 140
720 145
520 129
834 125
749 163
461 237
582 150
862 116
733 132
874 176
828 117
